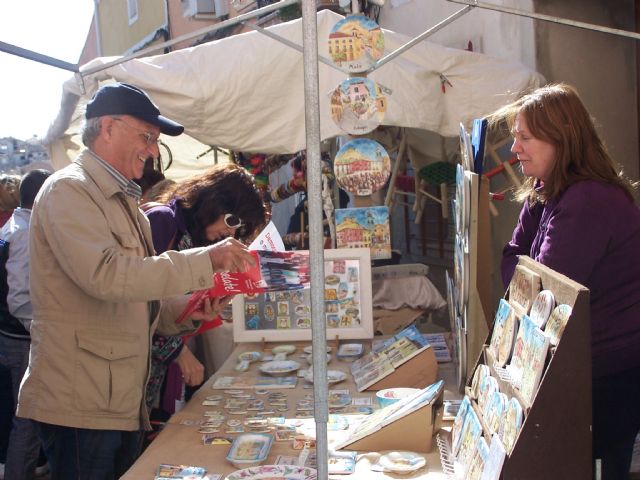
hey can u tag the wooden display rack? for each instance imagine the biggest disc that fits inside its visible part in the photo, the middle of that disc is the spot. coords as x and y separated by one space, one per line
555 439
413 432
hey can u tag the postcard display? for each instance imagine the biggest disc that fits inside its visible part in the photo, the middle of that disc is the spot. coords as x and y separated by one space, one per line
468 294
527 409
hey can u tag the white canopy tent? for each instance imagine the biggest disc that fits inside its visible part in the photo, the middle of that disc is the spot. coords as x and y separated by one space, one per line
245 92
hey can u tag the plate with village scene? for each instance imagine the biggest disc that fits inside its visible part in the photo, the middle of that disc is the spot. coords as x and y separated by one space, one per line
358 105
356 43
362 166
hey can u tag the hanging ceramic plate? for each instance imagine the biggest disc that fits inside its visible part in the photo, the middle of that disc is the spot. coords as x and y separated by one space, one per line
358 105
362 166
402 462
556 323
356 43
279 367
541 308
274 472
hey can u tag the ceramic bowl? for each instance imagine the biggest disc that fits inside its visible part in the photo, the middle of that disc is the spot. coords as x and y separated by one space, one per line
391 395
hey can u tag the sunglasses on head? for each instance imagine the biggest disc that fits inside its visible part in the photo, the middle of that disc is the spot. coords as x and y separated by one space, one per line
232 221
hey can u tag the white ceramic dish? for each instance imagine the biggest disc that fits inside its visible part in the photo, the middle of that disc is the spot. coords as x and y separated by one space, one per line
348 352
333 376
249 449
279 367
402 462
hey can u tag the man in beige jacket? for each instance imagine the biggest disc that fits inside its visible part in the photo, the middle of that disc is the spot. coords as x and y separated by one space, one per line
99 293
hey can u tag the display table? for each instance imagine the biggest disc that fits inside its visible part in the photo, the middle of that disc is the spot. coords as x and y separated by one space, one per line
181 443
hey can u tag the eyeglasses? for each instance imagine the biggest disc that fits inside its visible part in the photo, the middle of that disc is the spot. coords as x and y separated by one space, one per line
148 137
232 221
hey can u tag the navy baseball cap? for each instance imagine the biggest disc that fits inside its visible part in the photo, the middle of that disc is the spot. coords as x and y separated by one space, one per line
125 99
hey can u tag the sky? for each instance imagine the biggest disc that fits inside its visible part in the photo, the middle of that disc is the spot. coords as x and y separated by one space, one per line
30 92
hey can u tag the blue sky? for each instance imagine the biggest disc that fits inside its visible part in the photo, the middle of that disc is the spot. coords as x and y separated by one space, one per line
30 91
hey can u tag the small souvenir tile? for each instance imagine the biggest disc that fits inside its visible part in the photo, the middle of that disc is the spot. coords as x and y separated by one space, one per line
479 375
495 411
523 289
511 424
487 388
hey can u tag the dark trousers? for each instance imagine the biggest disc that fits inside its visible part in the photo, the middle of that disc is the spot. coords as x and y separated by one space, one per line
616 421
6 410
83 454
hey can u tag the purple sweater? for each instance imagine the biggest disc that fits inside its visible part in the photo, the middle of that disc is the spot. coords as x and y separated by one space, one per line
591 234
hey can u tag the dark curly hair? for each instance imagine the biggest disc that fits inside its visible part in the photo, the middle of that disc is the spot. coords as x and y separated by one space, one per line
223 188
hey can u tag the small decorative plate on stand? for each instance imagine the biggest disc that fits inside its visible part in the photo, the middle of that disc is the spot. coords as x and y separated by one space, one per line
511 424
556 323
542 307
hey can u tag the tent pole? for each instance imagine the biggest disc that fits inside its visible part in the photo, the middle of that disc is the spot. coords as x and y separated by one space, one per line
550 18
37 57
289 43
419 38
316 240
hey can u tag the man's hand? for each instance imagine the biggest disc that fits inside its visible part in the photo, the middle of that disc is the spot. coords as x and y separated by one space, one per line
229 255
192 370
211 308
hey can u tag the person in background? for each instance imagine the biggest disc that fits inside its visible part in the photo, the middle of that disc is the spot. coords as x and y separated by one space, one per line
9 196
222 202
24 444
99 292
579 218
9 199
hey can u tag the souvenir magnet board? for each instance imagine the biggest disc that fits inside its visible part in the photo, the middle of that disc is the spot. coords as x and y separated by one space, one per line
286 315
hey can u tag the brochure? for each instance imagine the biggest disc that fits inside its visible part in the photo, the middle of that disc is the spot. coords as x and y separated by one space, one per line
272 271
387 356
389 414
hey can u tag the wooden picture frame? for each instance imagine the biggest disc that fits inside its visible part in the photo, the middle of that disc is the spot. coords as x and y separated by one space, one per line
286 316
